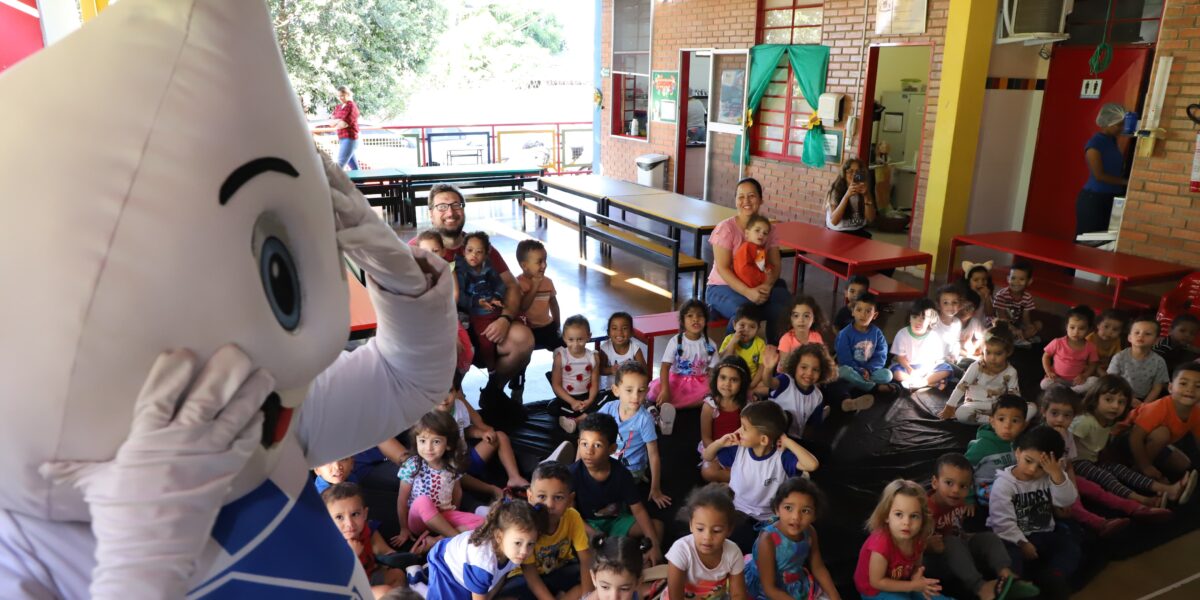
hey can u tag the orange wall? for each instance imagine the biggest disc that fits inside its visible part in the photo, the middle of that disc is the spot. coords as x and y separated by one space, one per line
1162 218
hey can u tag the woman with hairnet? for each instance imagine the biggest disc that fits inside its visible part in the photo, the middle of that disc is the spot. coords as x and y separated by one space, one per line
1106 163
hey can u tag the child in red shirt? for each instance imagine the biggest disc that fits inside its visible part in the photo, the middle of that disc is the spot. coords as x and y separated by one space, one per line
890 559
344 501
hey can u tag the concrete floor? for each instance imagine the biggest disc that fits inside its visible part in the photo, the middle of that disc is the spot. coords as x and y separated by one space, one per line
598 287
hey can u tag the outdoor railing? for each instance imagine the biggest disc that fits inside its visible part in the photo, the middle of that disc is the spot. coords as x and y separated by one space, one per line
559 147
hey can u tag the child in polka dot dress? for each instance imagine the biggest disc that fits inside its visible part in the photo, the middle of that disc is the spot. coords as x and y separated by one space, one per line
575 376
430 490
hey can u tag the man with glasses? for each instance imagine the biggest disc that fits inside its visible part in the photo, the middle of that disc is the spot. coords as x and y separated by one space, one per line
514 340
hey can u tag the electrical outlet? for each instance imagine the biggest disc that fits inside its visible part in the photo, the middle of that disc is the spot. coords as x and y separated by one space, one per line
1091 88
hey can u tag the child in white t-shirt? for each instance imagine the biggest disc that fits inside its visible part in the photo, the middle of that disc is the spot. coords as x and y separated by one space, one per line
710 513
921 354
620 348
985 381
947 325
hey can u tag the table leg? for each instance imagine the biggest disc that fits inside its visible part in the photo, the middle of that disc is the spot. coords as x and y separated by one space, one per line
928 272
950 267
1117 294
796 274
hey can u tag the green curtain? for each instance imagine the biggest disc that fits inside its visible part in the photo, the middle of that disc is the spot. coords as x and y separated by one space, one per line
810 63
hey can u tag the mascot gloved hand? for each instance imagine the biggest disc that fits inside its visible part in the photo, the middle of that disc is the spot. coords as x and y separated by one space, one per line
372 244
154 504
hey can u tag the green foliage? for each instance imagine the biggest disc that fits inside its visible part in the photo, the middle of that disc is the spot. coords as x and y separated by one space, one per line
519 28
502 40
377 47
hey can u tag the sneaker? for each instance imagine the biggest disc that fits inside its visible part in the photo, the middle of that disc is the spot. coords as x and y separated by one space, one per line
1023 343
563 454
1112 527
1145 514
666 419
858 404
568 424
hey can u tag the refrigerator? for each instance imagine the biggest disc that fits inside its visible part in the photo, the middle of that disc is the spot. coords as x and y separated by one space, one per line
901 125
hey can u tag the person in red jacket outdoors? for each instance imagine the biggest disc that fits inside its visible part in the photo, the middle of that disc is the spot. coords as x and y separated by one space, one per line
345 120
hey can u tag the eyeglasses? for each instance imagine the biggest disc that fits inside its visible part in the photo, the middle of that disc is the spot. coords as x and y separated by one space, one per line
445 207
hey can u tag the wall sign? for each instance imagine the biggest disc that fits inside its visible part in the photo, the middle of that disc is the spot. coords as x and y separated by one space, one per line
664 96
896 17
833 146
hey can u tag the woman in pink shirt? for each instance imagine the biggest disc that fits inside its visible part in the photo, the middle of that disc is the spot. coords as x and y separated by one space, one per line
725 291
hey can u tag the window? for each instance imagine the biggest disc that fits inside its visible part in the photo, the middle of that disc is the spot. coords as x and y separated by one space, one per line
790 22
782 119
631 67
1129 23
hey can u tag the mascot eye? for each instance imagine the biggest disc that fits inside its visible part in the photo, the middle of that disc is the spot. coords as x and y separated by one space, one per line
280 282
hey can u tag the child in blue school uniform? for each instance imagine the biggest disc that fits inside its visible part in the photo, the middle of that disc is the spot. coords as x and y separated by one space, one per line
862 349
475 563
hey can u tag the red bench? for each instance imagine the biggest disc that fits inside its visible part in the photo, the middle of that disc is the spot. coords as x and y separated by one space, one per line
1056 286
648 327
888 289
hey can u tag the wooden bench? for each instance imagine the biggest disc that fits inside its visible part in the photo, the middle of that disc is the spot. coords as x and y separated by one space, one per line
648 327
610 232
1050 283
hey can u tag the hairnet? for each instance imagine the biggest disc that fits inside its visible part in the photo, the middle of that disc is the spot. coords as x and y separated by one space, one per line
1110 114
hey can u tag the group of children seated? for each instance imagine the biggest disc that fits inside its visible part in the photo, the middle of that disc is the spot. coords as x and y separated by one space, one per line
1000 520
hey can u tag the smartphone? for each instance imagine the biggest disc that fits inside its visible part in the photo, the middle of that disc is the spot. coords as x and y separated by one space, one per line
858 177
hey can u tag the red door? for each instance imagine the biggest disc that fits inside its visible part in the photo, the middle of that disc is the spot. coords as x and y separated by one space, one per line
1067 122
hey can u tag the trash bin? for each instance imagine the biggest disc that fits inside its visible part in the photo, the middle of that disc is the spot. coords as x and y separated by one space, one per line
651 169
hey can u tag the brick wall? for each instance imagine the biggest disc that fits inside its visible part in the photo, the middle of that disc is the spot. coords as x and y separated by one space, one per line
1162 218
792 191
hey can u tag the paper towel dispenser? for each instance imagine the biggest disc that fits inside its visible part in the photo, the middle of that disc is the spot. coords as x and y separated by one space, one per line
829 108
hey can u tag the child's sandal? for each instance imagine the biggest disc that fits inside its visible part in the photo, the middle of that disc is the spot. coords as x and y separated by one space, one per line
1003 585
1189 486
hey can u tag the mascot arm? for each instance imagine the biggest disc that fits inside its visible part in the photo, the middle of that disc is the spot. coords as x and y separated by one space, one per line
383 387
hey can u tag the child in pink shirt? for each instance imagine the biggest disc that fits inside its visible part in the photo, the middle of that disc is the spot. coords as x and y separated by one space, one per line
1071 359
806 324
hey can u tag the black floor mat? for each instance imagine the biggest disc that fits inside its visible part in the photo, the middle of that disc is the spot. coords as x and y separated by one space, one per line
893 439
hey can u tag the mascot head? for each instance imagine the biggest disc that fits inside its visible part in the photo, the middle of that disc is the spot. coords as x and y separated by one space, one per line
164 193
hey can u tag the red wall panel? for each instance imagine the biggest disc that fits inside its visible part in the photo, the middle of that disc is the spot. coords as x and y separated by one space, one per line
20 34
1067 122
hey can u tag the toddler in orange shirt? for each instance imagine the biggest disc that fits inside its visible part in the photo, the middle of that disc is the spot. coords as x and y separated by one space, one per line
750 259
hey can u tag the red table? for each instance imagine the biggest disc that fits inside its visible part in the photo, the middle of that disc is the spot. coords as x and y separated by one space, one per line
844 255
1124 269
362 312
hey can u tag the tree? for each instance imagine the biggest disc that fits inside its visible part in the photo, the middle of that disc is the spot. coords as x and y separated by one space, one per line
508 41
377 47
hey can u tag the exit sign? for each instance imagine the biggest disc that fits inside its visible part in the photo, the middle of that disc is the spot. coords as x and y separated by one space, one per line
1091 88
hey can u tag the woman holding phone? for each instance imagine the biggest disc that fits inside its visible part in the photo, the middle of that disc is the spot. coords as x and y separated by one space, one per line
850 206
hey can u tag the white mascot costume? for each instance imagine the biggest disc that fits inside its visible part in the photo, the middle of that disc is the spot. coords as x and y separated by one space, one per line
173 289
